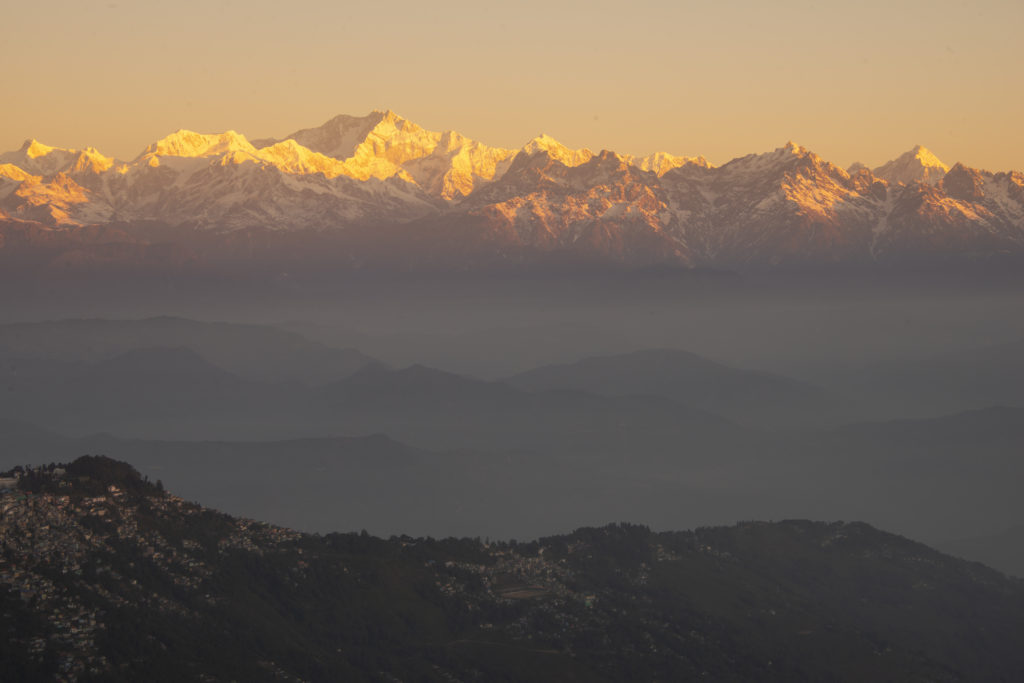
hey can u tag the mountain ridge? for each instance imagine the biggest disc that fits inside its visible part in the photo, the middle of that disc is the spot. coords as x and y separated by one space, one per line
380 185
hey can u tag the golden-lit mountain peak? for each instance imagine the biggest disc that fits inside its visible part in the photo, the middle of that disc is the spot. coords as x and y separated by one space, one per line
793 148
925 156
661 163
918 165
389 116
383 144
556 150
391 125
291 157
39 159
286 147
451 140
12 172
187 143
34 149
90 159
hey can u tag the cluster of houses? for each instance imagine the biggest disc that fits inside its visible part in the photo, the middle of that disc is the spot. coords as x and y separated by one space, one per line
55 548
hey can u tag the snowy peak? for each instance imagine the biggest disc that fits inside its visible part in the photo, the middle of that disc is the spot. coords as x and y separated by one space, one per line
346 137
661 163
336 138
291 157
389 144
33 149
792 150
35 158
925 156
769 162
90 160
916 166
187 143
557 151
38 159
608 162
458 165
385 145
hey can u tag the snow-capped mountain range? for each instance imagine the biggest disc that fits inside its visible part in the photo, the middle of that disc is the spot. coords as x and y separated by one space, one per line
378 186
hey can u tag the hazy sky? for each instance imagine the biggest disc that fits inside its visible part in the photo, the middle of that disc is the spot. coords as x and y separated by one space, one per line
850 80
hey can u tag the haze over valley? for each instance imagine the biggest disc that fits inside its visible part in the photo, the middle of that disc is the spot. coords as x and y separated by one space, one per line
516 407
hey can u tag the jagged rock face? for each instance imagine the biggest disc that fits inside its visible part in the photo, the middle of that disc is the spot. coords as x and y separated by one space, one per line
460 200
604 206
970 212
784 206
965 184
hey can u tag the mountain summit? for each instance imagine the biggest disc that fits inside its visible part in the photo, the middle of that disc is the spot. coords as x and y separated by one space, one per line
384 145
186 143
916 166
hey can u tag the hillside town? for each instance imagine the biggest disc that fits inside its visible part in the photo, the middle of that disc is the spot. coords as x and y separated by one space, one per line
107 576
59 547
74 558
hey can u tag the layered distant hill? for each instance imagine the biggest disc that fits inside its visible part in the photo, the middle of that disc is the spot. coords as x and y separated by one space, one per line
378 189
747 397
255 352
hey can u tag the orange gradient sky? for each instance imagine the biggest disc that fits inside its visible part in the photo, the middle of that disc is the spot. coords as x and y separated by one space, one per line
852 81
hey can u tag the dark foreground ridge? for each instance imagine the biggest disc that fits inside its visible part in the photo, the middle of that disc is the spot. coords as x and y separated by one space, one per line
104 576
